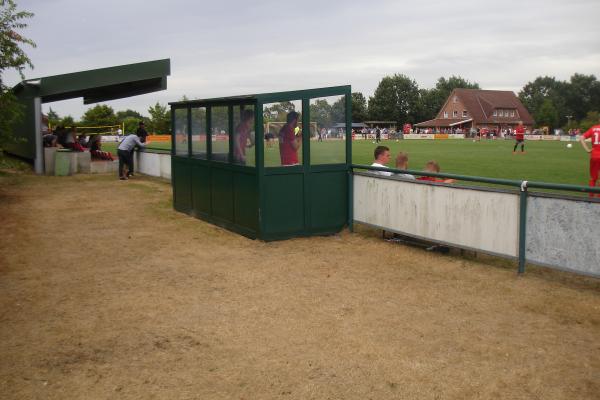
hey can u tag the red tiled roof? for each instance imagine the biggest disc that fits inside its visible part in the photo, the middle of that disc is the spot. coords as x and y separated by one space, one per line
442 122
481 103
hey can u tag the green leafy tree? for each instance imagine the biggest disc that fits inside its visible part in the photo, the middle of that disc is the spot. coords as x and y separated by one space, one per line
547 115
53 117
131 124
11 57
121 115
395 99
278 112
160 119
432 100
534 94
582 95
320 112
592 118
67 120
359 107
99 115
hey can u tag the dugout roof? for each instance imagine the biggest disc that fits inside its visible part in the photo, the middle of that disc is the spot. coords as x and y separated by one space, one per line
101 84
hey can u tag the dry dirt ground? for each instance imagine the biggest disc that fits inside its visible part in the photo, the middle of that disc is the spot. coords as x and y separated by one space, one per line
106 293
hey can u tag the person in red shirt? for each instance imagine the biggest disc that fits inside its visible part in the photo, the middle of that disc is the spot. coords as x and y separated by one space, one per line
289 141
520 138
594 134
242 135
433 166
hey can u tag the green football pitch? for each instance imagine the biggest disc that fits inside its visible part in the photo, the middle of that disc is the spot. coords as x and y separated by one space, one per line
543 161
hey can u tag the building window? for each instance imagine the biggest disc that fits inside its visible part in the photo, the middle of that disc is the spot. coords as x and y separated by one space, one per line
512 113
465 113
455 114
445 114
455 99
495 113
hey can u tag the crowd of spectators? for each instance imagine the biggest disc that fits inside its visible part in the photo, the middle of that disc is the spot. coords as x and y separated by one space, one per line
67 138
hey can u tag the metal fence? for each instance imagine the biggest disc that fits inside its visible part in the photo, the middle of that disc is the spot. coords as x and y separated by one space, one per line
551 229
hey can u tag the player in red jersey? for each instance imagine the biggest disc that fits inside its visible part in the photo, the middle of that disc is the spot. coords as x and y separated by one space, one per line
520 138
290 140
594 134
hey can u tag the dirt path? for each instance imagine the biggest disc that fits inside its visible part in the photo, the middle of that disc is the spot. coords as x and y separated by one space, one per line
106 293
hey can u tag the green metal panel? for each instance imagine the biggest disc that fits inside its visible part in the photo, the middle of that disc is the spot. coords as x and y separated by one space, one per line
201 187
181 177
24 130
284 204
222 193
328 200
245 200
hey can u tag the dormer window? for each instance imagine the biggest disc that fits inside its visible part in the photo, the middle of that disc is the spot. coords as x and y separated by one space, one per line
455 114
445 114
512 113
495 113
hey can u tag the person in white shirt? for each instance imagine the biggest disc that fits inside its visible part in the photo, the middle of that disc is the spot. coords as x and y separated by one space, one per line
382 157
402 163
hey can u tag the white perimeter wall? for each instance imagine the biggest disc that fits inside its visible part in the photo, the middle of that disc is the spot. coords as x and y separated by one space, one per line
468 218
153 164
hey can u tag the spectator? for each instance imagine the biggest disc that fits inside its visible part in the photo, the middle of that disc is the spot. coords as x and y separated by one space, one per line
433 166
50 140
382 156
82 140
125 153
241 136
402 163
71 140
141 132
95 146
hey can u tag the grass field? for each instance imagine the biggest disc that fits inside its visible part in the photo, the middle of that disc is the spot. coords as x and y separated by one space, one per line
544 161
154 304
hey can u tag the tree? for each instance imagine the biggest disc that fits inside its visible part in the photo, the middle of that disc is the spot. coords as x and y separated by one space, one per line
547 115
592 118
121 115
359 107
99 115
67 121
534 95
131 124
395 99
160 119
432 100
582 95
320 112
53 117
11 57
278 112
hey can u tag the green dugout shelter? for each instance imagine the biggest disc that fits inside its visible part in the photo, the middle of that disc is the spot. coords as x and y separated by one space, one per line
269 166
94 86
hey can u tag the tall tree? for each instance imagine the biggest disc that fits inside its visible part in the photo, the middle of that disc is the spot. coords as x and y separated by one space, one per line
582 95
121 115
99 115
547 115
53 117
395 99
359 107
534 94
432 100
11 57
320 112
160 119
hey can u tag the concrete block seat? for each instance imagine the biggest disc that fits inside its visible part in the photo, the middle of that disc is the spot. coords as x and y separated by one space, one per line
104 167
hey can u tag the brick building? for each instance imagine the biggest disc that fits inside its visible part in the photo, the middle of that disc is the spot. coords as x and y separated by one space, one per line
495 110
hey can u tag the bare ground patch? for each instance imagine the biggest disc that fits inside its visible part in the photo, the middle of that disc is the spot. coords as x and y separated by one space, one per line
108 293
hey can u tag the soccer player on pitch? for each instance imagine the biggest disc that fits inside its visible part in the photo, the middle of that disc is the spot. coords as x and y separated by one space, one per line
520 137
594 134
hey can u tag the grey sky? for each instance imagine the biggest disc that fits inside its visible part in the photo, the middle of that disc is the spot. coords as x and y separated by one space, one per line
220 48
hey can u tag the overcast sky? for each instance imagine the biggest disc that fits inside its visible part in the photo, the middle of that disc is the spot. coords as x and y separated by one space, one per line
220 48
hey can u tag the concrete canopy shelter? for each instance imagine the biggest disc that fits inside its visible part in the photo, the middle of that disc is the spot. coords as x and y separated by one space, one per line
94 86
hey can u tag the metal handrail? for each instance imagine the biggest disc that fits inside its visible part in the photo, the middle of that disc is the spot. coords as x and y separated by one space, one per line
480 179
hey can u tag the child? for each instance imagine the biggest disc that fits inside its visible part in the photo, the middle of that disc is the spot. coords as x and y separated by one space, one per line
433 166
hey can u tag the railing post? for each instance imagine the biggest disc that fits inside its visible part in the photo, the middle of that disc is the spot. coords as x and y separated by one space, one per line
522 225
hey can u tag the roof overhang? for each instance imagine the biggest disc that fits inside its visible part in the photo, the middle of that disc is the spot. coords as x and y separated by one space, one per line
101 84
